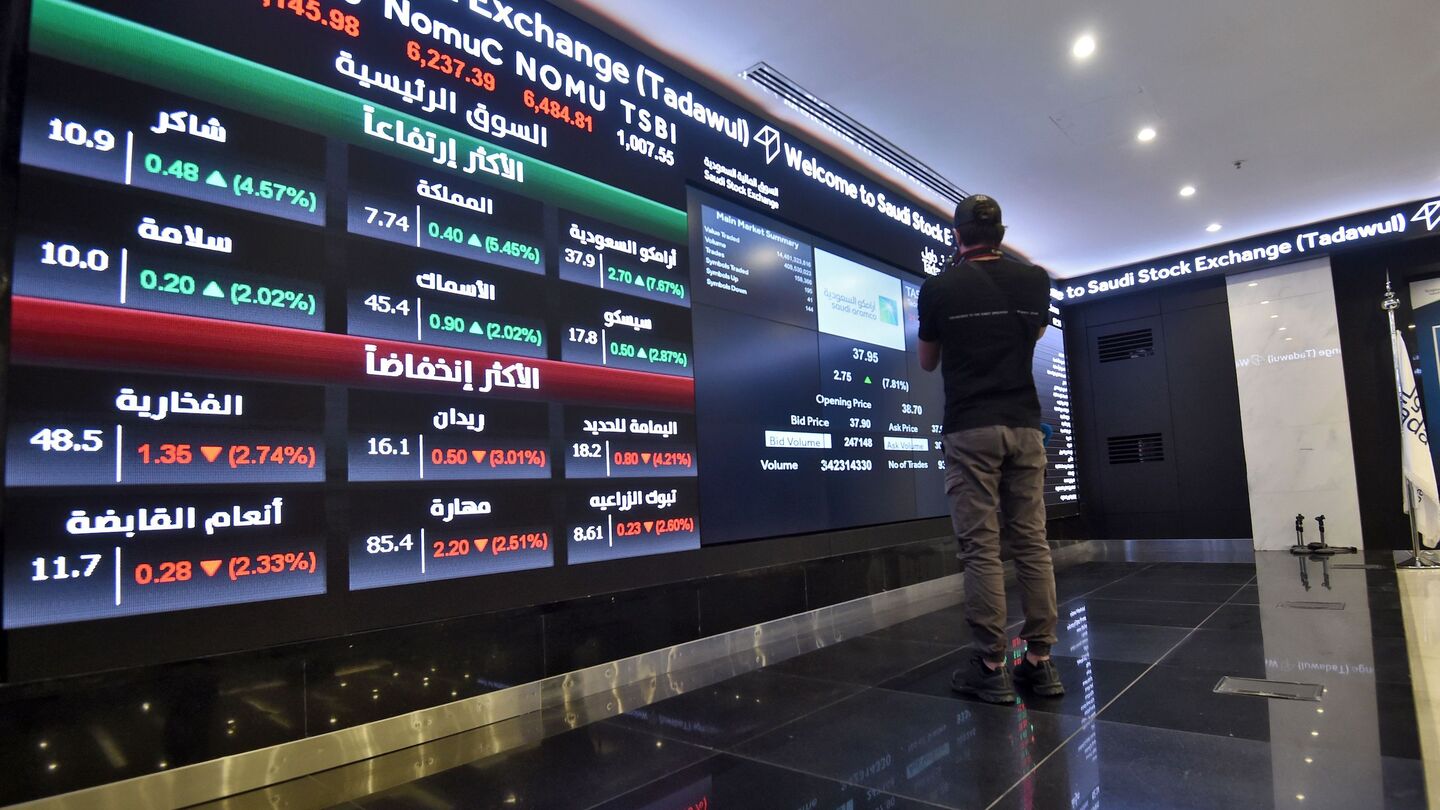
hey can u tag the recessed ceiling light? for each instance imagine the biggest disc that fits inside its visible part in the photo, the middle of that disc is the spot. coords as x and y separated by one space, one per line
1084 47
1145 135
1187 191
1213 227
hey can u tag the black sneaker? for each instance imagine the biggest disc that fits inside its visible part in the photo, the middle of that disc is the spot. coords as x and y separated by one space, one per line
978 680
1043 678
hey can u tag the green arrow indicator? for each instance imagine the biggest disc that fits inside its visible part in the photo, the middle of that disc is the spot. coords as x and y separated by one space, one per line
475 328
216 179
475 241
212 290
867 381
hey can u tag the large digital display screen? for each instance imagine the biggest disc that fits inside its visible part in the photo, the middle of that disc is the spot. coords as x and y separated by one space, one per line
317 297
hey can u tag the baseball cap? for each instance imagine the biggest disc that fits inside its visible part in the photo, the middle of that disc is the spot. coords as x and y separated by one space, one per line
977 208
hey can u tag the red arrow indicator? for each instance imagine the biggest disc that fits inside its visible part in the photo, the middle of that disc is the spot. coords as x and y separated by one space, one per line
211 453
479 455
649 524
646 457
210 566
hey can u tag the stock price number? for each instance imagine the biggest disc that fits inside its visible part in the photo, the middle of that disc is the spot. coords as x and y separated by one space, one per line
865 355
164 573
165 454
911 409
72 257
583 450
387 446
75 134
846 465
64 440
385 305
388 220
581 258
60 567
387 544
586 337
559 111
311 10
631 142
582 534
432 59
858 423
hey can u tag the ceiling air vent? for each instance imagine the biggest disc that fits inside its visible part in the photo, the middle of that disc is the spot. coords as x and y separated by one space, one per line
1142 449
1126 345
857 134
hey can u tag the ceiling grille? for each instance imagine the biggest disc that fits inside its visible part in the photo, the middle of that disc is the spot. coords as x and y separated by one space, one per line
856 133
1142 449
1126 345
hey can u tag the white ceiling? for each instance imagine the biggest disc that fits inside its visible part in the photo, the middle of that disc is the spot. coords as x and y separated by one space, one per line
1334 105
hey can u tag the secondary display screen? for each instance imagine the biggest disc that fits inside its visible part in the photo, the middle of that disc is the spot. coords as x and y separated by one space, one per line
332 296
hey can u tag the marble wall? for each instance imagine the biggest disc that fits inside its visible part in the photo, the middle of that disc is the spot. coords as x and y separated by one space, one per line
1293 410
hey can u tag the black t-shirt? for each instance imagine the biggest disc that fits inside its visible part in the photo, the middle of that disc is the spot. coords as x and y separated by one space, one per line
987 317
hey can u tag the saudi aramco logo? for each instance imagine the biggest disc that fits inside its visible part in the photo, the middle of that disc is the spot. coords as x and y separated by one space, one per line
889 311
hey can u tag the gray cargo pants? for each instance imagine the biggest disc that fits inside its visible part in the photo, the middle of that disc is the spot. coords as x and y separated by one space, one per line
993 474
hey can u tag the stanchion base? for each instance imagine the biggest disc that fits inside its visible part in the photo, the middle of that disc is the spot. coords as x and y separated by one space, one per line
1424 561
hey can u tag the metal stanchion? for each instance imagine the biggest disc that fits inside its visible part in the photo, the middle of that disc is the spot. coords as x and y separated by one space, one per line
1419 558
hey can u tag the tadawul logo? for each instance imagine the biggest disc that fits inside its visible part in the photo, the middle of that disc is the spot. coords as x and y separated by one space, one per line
1429 213
770 139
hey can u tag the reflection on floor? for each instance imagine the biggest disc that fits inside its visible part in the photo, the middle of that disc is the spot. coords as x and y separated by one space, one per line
871 722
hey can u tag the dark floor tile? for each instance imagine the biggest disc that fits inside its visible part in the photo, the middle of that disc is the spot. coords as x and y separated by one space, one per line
1387 622
1246 595
1089 685
1137 643
730 782
1233 618
946 626
1198 574
1131 611
1120 767
1183 699
1392 661
1237 618
1404 783
1211 593
865 660
1224 651
73 733
1100 568
576 769
950 752
1067 588
1383 600
737 709
1325 655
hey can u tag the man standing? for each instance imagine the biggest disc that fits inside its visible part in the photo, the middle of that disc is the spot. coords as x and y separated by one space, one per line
979 322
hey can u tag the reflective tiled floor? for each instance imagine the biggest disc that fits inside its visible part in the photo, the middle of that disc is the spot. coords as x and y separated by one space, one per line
871 722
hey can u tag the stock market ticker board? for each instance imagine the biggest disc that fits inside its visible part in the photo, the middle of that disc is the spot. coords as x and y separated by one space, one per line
321 296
